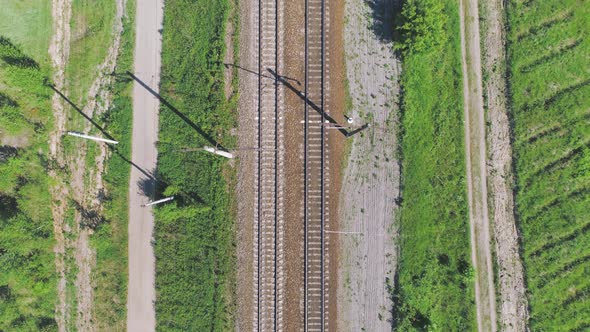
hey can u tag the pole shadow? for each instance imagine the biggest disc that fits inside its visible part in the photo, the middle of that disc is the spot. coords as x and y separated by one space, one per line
177 112
227 65
318 109
79 110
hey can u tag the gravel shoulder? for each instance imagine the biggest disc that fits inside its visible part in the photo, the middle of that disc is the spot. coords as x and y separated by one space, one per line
513 302
475 154
370 187
245 190
141 294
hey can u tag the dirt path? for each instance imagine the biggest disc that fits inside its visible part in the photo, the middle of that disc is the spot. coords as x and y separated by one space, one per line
141 289
513 301
86 183
73 240
475 154
371 181
59 49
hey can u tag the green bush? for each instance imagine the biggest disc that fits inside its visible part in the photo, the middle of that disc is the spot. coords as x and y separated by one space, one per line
422 25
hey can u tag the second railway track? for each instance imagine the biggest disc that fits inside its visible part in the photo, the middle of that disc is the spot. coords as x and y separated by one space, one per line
268 250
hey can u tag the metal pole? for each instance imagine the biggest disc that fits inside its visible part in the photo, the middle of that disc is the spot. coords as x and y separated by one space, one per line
72 133
163 200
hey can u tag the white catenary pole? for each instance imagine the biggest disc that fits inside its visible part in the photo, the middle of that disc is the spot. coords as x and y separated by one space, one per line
72 133
218 152
163 200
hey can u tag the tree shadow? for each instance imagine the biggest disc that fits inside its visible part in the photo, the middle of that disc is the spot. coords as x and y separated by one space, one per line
90 218
318 109
5 100
383 17
184 118
7 152
22 61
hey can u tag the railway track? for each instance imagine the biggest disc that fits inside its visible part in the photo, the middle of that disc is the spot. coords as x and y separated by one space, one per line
316 168
268 247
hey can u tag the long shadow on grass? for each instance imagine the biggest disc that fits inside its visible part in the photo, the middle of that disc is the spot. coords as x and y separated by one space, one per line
177 112
318 109
79 110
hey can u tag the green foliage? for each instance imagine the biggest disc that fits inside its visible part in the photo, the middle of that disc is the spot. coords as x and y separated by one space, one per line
434 286
422 25
550 101
27 271
194 233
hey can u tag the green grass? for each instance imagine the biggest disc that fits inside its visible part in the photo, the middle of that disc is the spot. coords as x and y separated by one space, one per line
549 81
194 235
434 286
27 270
28 23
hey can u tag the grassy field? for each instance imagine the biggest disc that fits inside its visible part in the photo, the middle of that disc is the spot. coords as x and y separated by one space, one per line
434 286
27 270
194 235
548 49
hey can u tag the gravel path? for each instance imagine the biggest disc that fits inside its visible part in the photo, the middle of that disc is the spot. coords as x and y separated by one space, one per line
475 154
141 294
371 181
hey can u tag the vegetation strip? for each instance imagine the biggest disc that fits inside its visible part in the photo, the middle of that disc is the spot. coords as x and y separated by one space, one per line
434 285
194 234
